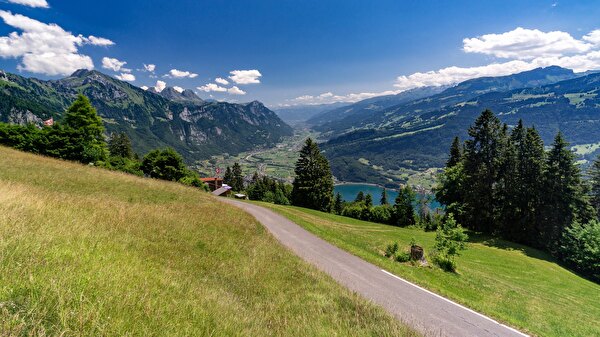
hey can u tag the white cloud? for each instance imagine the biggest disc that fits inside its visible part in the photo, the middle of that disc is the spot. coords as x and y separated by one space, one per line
211 87
96 41
180 74
593 37
150 67
178 89
528 49
45 48
245 76
221 81
114 64
329 97
235 91
144 87
31 3
126 77
526 44
160 86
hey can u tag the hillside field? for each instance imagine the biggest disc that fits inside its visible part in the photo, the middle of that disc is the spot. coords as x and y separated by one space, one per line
520 286
85 251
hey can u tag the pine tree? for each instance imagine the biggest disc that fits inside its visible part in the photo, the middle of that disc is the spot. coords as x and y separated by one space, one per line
594 173
237 181
313 185
455 153
338 204
507 186
368 200
403 211
483 160
384 200
119 145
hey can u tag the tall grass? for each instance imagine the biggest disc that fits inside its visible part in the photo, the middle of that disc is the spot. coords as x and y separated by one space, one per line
84 251
515 284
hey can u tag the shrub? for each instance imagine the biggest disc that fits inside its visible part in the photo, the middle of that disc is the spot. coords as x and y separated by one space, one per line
391 250
403 257
449 241
381 214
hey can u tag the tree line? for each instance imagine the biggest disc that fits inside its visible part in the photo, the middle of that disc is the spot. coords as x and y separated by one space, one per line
503 182
79 136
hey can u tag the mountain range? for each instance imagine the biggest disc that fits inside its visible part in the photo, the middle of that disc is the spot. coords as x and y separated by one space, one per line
181 120
416 134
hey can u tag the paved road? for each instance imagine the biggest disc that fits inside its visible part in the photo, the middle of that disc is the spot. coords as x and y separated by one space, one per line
425 311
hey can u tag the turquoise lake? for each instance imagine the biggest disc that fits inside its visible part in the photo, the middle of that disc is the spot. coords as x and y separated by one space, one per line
349 192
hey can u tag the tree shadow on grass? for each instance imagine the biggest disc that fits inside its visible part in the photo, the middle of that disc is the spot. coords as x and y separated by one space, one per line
492 241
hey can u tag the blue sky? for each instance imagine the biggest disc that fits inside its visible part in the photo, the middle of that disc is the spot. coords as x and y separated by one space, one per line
296 52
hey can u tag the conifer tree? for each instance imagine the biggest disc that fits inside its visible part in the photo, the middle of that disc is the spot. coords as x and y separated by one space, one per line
119 145
564 200
228 176
482 166
384 200
455 153
237 180
368 200
360 197
313 185
338 204
594 173
403 213
86 132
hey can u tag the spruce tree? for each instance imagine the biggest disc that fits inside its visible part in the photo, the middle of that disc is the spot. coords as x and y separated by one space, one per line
86 132
313 185
237 181
403 213
338 204
455 153
564 194
360 197
482 163
383 200
531 181
228 176
594 173
368 200
119 145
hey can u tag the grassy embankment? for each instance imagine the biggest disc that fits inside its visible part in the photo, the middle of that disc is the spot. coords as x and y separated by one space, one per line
85 251
515 284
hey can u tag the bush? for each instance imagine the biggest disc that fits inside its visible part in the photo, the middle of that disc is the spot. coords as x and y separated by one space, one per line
581 248
391 250
381 214
403 257
449 241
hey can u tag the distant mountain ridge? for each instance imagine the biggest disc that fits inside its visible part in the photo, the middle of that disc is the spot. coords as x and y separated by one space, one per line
347 117
299 114
386 118
195 128
417 134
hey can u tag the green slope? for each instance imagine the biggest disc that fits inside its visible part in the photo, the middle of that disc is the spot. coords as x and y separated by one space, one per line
515 284
89 252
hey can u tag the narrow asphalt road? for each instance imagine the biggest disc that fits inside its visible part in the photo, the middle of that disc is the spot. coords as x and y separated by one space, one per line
425 311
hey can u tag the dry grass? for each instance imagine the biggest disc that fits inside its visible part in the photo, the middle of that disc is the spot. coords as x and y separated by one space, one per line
84 251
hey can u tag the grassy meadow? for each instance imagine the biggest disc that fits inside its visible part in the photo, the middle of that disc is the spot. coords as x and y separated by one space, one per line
515 284
85 251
